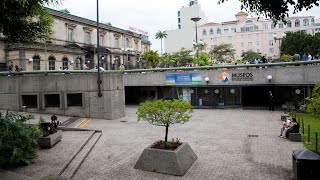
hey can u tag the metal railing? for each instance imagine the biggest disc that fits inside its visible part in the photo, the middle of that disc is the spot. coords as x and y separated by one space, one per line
239 66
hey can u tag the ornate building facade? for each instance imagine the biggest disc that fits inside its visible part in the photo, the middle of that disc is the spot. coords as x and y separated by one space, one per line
73 46
257 34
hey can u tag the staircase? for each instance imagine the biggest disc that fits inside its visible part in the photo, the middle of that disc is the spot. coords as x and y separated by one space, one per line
72 165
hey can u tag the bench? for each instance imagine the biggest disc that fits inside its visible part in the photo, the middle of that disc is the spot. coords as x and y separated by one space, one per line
295 137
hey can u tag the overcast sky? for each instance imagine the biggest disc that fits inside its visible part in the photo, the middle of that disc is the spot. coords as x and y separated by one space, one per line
153 15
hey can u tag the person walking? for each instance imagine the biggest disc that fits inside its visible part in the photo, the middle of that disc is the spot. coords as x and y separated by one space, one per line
271 101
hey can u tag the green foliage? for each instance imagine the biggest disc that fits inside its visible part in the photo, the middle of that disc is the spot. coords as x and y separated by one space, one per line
223 52
203 60
314 123
152 57
180 58
18 140
286 57
250 55
25 20
165 112
314 101
277 10
300 42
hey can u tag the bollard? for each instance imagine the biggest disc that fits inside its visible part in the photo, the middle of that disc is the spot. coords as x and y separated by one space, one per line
309 133
316 141
302 126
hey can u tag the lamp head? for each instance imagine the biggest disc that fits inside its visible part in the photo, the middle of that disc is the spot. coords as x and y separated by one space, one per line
269 77
195 19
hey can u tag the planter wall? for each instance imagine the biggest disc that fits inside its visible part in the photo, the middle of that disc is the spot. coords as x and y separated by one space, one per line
175 162
51 140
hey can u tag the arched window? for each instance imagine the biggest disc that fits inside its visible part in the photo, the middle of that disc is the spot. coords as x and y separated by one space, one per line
226 30
36 62
52 62
211 31
233 29
204 32
249 22
297 23
65 63
306 22
127 42
218 31
116 43
312 22
289 24
280 25
79 63
273 25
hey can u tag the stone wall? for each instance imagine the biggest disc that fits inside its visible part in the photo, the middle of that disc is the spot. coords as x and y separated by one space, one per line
109 106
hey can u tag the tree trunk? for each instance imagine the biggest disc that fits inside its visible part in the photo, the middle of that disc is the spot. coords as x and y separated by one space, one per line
161 46
167 128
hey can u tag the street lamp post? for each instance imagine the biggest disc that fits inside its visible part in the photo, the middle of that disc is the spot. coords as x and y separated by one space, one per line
98 52
276 38
195 20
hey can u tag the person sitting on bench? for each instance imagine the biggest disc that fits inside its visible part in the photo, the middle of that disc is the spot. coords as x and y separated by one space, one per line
294 127
285 127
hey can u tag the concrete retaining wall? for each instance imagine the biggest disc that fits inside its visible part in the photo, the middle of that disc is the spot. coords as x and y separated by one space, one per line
109 106
309 74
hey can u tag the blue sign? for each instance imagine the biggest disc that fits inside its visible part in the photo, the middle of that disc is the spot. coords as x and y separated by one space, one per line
184 79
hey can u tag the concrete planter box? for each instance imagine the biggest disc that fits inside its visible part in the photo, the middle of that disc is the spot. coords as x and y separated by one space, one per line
175 162
51 140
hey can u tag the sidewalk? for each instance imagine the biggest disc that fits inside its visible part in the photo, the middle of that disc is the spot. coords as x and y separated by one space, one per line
220 138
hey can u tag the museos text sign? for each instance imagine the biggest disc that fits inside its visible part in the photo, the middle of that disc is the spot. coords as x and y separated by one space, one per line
245 76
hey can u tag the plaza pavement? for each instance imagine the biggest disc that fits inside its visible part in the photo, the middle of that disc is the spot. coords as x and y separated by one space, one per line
219 137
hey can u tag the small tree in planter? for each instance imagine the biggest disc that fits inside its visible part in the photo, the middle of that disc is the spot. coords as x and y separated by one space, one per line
165 113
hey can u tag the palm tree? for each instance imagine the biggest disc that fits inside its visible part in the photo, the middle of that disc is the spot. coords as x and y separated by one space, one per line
161 35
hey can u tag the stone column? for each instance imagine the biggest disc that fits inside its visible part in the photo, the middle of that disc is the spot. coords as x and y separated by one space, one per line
108 62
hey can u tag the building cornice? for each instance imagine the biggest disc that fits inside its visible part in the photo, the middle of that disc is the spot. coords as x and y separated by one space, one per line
89 22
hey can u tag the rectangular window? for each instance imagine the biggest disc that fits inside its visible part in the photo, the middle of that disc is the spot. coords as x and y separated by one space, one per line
258 43
242 44
101 41
270 35
30 101
52 100
249 44
87 38
70 34
249 36
74 99
265 26
271 50
270 42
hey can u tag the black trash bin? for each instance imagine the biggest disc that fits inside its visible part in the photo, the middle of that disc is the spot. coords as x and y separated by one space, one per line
306 164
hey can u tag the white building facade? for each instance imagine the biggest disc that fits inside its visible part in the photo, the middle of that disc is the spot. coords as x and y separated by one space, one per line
184 36
255 34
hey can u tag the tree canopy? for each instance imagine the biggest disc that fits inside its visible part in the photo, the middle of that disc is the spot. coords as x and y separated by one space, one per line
222 52
25 20
152 57
251 55
160 35
300 42
277 10
165 113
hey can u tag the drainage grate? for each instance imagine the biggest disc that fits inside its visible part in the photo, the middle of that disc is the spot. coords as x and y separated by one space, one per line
123 121
253 135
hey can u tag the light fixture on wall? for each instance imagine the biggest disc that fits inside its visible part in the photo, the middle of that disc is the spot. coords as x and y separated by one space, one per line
216 91
232 91
30 60
269 77
71 62
298 91
206 79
